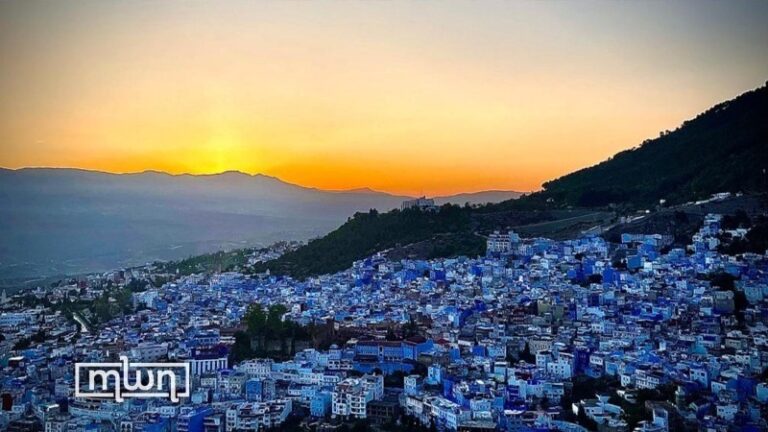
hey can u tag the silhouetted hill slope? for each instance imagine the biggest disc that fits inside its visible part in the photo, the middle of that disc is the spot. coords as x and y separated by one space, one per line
453 230
723 149
365 234
478 198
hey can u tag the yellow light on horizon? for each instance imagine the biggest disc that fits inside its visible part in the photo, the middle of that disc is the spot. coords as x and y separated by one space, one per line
397 96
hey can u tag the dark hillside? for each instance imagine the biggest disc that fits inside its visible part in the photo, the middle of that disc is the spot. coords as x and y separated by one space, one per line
725 149
451 231
367 233
684 220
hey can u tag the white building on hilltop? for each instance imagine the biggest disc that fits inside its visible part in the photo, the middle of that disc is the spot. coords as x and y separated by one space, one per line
502 242
422 203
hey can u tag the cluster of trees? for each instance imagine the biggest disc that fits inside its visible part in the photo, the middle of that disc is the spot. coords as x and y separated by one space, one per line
404 331
212 262
367 233
525 355
467 244
29 300
25 343
267 334
139 285
635 412
114 301
727 282
756 240
112 304
739 219
585 387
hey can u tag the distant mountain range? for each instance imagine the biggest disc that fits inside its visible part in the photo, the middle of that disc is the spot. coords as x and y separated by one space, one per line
65 221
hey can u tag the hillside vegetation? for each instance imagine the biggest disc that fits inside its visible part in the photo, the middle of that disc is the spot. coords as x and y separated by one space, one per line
723 149
367 233
451 231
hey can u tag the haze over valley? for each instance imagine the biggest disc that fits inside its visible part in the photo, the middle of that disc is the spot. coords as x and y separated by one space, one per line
68 221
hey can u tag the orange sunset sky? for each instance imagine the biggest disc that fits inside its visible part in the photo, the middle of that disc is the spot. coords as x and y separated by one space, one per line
405 97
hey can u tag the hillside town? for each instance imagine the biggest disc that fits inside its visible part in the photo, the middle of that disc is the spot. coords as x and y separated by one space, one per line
537 335
383 216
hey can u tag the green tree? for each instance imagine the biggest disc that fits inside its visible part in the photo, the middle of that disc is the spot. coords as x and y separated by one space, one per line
241 350
274 318
22 344
255 320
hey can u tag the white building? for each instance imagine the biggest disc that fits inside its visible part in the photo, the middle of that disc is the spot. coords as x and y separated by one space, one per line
422 203
148 352
258 368
199 366
253 417
15 319
502 243
350 397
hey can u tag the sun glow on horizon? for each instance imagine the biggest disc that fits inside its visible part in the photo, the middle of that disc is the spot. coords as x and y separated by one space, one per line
409 98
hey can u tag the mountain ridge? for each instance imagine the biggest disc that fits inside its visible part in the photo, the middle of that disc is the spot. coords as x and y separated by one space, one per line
72 220
452 198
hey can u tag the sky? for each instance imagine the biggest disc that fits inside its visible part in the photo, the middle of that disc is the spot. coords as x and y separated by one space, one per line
429 97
